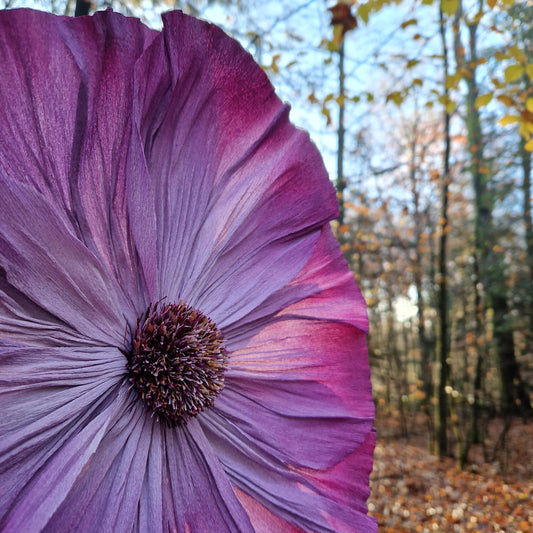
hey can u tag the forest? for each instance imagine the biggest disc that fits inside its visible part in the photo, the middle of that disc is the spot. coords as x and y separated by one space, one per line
423 111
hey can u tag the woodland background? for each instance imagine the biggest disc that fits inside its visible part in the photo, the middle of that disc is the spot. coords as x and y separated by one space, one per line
423 110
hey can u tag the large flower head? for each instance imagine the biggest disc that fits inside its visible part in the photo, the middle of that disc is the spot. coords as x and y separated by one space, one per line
182 346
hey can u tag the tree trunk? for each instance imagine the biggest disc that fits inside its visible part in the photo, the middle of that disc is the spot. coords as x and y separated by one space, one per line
442 416
340 183
490 269
82 8
526 192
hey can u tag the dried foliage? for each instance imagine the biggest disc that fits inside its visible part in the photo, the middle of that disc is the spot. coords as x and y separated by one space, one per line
413 491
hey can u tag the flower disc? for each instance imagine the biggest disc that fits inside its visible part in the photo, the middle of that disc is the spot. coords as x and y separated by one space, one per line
177 361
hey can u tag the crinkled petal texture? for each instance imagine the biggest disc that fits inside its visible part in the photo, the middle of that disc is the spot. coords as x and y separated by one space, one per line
137 166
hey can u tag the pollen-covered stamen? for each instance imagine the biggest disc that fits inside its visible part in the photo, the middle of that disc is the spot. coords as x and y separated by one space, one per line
177 361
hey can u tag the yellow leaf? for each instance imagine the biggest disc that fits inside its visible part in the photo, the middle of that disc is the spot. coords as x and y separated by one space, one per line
450 107
409 22
427 2
478 17
519 56
508 2
505 100
529 70
529 105
483 100
491 3
363 11
529 126
338 34
449 6
513 72
497 83
500 56
524 131
508 119
452 81
396 97
529 145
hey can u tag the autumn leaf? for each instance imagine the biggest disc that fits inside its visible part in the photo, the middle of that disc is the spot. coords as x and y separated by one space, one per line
524 131
505 100
396 97
529 145
483 100
452 81
518 54
341 15
363 11
449 6
508 119
407 23
513 72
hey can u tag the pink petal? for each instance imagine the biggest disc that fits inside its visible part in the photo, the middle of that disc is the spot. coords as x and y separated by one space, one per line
289 493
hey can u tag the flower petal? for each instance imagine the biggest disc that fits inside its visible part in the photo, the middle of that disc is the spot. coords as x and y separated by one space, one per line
65 124
303 367
55 404
114 473
159 479
45 262
22 320
299 392
324 289
194 482
297 403
289 493
233 183
348 481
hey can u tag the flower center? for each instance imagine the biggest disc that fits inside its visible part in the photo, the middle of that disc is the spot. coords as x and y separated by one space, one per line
177 361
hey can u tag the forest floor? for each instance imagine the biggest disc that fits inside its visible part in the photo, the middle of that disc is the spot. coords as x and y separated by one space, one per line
414 491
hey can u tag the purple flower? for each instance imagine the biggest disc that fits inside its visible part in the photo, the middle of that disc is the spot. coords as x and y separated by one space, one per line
182 346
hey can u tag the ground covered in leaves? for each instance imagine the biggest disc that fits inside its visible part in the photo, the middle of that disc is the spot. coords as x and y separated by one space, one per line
413 491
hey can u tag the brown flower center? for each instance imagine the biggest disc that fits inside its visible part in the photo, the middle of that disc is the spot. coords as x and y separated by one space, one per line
177 361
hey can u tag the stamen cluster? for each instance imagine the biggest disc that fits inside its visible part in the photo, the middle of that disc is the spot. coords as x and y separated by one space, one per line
177 361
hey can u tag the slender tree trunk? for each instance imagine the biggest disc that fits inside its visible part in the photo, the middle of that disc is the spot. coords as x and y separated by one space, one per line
424 346
82 8
526 192
442 436
340 183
